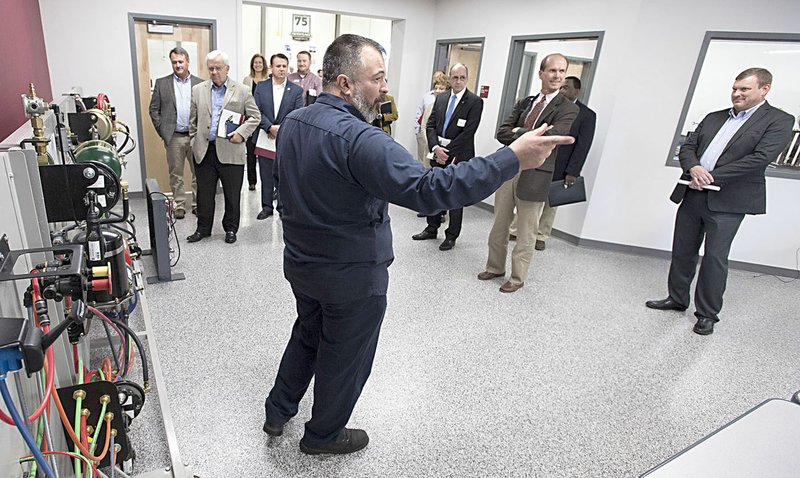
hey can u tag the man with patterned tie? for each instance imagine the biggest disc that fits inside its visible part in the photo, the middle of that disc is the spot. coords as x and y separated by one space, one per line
451 139
528 190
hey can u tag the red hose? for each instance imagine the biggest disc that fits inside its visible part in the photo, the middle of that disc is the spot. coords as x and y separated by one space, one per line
101 100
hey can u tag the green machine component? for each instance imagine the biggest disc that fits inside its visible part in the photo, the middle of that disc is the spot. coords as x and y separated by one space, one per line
101 152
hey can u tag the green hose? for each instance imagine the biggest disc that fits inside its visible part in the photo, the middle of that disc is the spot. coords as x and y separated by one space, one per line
78 406
97 428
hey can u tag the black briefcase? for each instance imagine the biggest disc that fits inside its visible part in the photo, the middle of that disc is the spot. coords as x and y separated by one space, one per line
561 196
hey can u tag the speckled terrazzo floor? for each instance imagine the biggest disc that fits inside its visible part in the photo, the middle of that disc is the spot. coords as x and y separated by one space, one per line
569 377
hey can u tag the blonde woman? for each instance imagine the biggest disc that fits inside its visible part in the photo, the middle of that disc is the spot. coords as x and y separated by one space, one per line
258 73
440 84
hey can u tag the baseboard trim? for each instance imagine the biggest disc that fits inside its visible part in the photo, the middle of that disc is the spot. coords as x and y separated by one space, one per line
657 253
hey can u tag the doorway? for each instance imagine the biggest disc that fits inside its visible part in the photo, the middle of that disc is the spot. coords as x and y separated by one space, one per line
581 49
152 38
467 51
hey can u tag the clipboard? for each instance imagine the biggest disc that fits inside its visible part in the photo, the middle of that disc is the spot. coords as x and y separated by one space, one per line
229 121
265 146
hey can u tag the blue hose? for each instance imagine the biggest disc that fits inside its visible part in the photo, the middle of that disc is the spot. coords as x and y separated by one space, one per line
23 430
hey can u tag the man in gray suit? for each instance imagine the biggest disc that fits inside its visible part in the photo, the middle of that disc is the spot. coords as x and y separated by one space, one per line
227 106
169 110
528 190
730 149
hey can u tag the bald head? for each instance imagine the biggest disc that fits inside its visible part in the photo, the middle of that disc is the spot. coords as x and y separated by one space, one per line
458 77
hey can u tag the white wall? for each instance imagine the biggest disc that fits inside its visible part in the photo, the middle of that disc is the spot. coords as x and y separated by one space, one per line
646 62
726 59
412 50
98 58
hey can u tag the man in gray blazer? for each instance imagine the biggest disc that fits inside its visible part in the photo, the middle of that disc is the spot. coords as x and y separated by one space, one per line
220 104
169 110
730 149
528 190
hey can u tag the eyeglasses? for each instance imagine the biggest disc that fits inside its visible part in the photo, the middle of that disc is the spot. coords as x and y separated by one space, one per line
212 69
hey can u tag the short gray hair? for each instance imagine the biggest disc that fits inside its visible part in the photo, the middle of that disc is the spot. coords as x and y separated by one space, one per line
218 54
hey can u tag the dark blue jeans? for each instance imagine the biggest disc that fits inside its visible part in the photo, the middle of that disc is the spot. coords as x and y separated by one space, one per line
336 343
267 181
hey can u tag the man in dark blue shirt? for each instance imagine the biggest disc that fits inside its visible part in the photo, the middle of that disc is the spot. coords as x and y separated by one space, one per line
335 176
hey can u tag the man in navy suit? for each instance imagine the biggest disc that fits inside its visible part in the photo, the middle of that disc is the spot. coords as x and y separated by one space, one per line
570 158
729 149
275 98
451 138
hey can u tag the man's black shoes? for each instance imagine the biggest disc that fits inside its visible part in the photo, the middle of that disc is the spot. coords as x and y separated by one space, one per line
230 237
349 441
273 430
424 235
196 236
447 244
666 304
704 326
265 213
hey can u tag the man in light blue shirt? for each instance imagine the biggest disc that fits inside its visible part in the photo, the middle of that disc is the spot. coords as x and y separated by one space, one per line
730 150
169 110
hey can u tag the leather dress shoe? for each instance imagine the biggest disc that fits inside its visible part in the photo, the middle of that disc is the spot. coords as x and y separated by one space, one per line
349 441
230 237
486 275
704 326
424 235
272 429
265 213
539 246
510 287
180 213
252 187
666 304
196 236
447 244
512 237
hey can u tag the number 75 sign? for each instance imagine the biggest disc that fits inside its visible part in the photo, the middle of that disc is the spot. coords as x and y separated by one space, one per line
301 26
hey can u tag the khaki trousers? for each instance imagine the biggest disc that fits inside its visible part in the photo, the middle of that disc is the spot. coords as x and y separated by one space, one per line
546 223
179 151
422 148
528 212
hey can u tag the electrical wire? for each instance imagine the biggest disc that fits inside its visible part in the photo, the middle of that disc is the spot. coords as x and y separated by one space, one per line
28 458
71 431
45 400
23 430
125 327
77 418
172 227
111 344
796 268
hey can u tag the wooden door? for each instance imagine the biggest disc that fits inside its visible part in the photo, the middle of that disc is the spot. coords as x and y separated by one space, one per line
152 57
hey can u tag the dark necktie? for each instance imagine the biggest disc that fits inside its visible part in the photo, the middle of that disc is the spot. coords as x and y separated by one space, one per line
535 112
